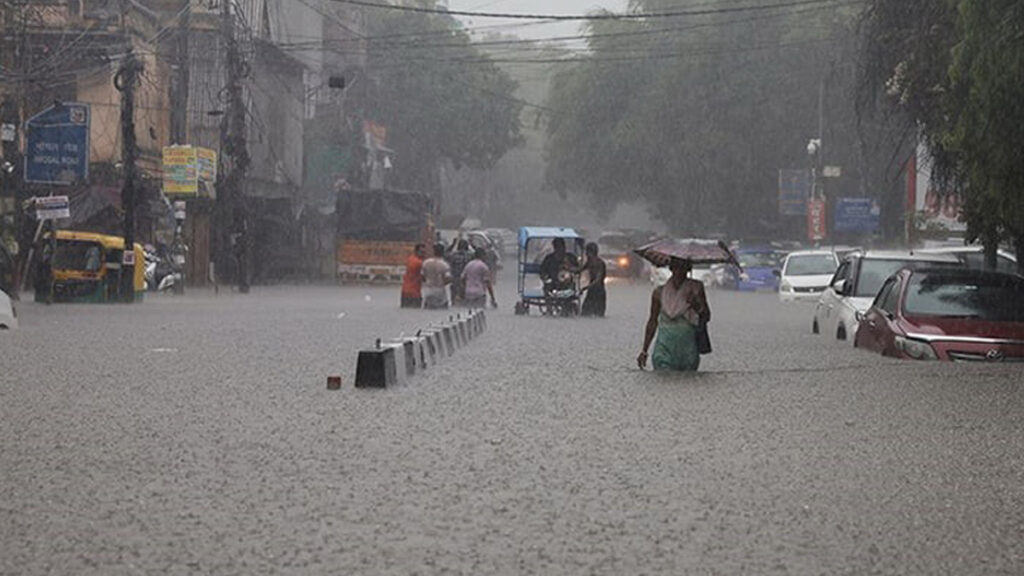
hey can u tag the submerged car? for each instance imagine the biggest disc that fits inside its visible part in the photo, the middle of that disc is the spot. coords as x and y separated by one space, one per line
806 274
856 283
947 314
761 269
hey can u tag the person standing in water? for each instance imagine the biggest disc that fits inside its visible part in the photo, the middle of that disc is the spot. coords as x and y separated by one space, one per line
436 278
412 282
477 277
677 310
596 300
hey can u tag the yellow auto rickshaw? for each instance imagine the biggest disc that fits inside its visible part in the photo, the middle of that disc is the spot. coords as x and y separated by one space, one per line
86 267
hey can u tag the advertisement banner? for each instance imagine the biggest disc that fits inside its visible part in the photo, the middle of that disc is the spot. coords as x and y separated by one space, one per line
815 220
207 159
794 190
858 215
181 171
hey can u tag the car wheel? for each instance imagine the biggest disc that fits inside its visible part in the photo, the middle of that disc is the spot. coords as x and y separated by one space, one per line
815 329
841 333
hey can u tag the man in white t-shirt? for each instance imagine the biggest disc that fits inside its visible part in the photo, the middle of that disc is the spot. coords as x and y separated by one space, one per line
437 275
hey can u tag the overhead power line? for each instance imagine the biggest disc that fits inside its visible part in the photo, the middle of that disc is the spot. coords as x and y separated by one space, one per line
587 17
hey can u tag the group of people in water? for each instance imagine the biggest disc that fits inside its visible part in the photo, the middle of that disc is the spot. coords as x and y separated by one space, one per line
676 324
438 281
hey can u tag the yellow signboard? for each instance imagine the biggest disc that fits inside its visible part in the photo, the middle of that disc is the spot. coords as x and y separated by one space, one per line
207 164
181 171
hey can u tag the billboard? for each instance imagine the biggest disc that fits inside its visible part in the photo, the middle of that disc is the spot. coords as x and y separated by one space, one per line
794 190
181 171
857 215
815 220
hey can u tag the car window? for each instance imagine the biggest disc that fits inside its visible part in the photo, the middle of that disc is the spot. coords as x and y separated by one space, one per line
883 294
810 265
890 301
991 297
874 272
759 260
841 273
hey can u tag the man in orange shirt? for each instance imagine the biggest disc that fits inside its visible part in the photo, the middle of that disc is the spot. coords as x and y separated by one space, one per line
412 296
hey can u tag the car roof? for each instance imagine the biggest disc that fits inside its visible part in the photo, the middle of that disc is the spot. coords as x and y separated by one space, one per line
912 256
811 253
963 273
965 250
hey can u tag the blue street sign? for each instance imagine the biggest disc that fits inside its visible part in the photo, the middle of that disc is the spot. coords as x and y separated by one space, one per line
57 150
857 215
794 190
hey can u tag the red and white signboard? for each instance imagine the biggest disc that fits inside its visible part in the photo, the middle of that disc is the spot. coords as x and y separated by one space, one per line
815 220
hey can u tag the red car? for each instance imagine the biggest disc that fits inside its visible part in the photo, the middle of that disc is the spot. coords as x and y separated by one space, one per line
947 314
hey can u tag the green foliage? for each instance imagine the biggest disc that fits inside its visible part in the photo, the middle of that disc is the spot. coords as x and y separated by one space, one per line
697 117
956 68
440 97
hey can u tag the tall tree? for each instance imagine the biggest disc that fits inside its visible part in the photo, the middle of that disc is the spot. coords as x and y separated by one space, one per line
441 99
696 116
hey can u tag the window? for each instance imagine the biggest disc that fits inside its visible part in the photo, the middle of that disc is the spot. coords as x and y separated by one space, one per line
890 300
810 265
991 297
841 273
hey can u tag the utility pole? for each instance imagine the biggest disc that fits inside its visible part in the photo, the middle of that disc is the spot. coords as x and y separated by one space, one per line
125 81
235 151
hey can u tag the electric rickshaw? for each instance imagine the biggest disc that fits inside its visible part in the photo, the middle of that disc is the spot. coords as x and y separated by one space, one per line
85 267
555 296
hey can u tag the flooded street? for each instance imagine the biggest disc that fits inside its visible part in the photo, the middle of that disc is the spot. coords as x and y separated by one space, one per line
196 435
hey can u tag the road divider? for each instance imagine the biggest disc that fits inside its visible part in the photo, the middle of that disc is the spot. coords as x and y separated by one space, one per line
394 361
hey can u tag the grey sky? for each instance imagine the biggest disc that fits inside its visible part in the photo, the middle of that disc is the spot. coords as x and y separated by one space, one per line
546 30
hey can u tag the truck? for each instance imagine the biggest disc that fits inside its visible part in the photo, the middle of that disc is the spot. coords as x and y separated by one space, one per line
378 230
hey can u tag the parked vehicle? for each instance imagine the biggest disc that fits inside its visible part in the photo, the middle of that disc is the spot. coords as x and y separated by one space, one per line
85 267
947 314
505 240
378 230
701 272
857 281
8 315
760 269
806 274
534 245
616 249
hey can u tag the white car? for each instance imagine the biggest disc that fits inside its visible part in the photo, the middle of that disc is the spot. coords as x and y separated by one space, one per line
855 284
8 316
661 274
805 275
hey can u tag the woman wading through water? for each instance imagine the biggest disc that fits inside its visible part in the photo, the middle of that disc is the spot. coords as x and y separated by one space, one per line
679 309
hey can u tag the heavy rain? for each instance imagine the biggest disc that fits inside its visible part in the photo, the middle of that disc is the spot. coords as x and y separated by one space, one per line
511 287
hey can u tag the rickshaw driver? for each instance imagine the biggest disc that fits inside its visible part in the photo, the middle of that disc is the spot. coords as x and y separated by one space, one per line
557 268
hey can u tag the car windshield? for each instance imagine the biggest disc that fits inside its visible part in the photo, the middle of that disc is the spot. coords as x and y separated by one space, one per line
998 298
615 243
759 260
811 265
873 273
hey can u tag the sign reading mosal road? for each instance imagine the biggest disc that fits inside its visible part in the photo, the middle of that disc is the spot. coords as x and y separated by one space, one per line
57 145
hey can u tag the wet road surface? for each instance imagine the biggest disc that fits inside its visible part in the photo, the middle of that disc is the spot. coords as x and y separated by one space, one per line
195 435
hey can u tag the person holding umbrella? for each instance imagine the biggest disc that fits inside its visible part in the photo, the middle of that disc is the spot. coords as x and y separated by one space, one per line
679 309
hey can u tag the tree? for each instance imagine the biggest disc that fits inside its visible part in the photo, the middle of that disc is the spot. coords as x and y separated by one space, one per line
955 68
441 99
696 117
